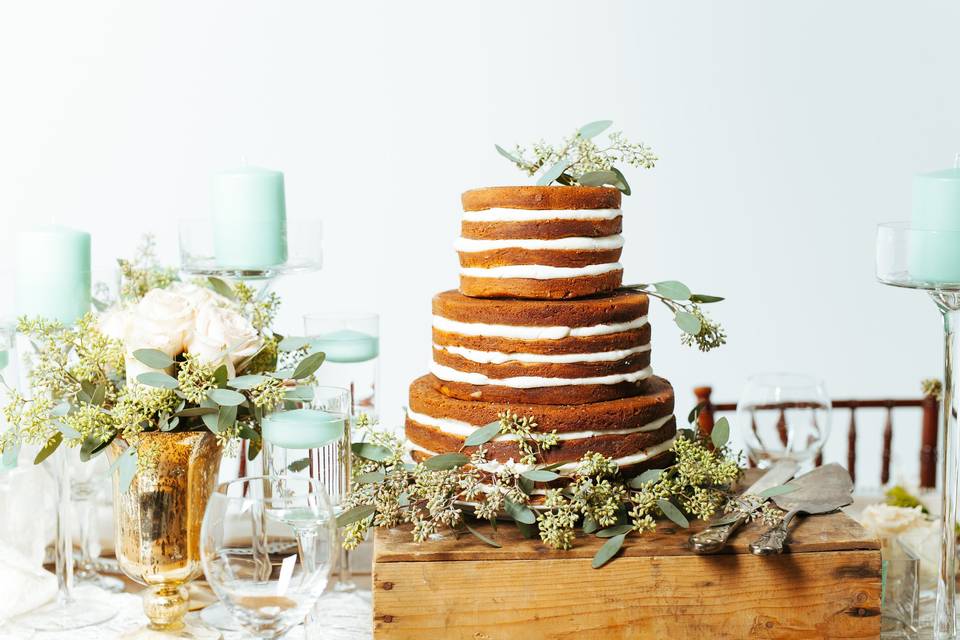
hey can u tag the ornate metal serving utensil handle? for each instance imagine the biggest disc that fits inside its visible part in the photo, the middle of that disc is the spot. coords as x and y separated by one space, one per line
771 542
714 539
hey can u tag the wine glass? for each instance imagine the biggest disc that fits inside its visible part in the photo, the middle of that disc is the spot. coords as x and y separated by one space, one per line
783 415
267 545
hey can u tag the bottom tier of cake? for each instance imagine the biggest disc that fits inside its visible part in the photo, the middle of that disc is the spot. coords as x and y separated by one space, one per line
637 432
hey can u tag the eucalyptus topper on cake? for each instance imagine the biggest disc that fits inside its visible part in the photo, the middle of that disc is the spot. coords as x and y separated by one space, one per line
580 161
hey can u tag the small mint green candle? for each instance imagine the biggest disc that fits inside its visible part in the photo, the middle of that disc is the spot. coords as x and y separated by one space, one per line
347 345
4 360
249 218
935 227
52 273
302 428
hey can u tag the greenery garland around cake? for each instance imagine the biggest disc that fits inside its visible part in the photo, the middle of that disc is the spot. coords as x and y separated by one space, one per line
580 160
447 490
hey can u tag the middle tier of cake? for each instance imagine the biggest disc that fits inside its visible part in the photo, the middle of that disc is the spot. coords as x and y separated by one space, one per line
541 351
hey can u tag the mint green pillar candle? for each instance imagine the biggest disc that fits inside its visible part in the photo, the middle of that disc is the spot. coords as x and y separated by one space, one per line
347 345
935 227
52 273
249 218
302 428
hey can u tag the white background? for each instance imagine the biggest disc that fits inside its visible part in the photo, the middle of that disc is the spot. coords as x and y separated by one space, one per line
786 130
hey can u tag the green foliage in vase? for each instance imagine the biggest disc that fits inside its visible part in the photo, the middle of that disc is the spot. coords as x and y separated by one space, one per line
580 160
169 357
592 497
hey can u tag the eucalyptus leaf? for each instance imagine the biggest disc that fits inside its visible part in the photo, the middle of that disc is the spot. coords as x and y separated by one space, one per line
356 514
11 455
509 156
704 299
778 490
221 287
371 477
227 418
528 531
248 433
671 511
519 512
67 430
672 290
622 184
483 434
308 365
127 468
299 465
172 424
553 173
253 448
158 379
540 475
99 395
220 375
153 358
226 397
446 461
595 128
247 382
615 530
292 343
609 549
481 537
86 392
303 393
721 433
650 475
695 412
372 452
193 412
526 485
590 525
212 421
48 448
598 178
63 408
688 322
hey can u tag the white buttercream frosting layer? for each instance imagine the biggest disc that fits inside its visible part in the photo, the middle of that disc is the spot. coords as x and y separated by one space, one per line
470 245
463 429
540 271
520 332
524 215
498 357
634 458
533 382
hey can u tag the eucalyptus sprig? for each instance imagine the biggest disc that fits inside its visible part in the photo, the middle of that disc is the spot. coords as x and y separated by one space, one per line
579 160
697 327
596 500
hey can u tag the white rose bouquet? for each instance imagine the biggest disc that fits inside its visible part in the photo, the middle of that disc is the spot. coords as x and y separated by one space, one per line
167 356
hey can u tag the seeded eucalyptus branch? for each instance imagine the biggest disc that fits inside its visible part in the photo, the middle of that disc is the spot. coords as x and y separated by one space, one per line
579 160
433 494
697 327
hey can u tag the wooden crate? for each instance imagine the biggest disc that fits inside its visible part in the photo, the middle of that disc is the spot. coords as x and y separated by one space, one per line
827 586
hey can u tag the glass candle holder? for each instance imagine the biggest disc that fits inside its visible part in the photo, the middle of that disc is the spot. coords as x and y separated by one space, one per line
351 342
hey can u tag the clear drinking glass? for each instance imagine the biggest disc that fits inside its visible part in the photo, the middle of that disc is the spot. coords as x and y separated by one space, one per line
351 342
267 546
783 415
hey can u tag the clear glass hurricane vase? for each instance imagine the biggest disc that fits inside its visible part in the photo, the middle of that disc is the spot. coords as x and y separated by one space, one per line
930 261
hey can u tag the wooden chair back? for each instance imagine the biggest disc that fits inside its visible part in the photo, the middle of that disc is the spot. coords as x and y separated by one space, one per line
929 406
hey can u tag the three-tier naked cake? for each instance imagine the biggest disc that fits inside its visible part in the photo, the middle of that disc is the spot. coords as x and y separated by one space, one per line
540 327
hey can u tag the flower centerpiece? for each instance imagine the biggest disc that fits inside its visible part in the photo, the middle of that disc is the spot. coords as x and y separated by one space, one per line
161 381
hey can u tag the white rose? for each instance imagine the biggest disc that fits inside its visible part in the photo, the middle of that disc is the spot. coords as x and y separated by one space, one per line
222 336
162 320
115 323
886 521
199 297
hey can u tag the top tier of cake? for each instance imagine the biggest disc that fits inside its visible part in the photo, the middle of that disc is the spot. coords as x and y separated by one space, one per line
543 243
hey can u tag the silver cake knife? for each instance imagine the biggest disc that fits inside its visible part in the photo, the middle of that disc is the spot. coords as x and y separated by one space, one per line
714 538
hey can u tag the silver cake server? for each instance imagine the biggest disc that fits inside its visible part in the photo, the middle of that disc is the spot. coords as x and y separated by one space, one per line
823 490
714 537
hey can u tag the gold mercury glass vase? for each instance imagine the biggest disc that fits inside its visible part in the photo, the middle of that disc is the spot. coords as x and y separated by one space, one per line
157 520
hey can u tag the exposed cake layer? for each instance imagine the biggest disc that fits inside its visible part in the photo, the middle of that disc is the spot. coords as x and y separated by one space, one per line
557 352
631 430
540 242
